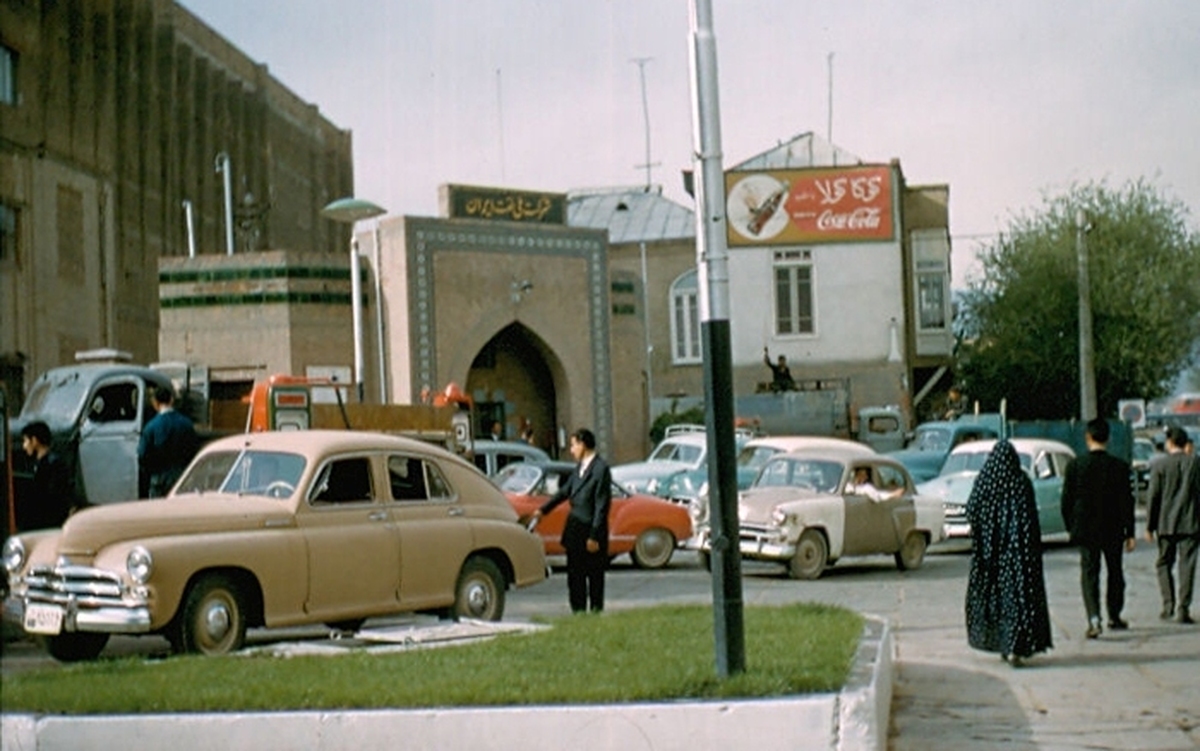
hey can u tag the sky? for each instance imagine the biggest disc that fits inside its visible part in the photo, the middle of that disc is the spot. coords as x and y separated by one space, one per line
1007 103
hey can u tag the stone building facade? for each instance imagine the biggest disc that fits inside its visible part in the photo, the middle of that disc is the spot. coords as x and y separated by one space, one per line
112 116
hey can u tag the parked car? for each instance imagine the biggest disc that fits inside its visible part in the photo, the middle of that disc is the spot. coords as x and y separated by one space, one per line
1144 452
1043 460
804 511
276 529
755 453
645 527
683 448
932 442
492 456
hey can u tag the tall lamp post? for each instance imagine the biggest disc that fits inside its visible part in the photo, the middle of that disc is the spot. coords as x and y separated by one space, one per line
348 211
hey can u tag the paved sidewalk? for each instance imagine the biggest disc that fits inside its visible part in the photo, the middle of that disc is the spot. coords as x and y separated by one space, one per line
1135 689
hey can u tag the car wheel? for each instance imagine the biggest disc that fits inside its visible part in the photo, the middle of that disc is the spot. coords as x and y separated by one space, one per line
480 591
350 624
213 621
912 554
812 553
74 647
653 548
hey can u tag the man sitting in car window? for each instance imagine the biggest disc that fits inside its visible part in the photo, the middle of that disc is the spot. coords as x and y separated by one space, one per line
861 484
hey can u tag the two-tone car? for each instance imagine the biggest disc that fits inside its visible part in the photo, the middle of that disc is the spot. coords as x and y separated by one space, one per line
807 510
1044 460
276 529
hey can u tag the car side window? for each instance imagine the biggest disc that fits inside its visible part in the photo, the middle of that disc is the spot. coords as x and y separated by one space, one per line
115 402
344 481
1043 467
406 475
890 478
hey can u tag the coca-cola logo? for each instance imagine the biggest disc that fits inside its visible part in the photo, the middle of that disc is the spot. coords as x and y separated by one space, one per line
861 218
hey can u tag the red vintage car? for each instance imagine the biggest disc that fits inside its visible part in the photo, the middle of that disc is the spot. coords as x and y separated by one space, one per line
646 527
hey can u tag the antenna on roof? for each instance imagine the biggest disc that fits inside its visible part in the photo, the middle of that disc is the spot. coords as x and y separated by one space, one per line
648 165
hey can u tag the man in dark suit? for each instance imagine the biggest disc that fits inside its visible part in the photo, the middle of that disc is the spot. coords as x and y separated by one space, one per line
1097 507
1174 517
585 535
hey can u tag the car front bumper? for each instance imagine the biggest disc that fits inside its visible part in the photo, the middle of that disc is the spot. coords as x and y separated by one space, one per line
80 599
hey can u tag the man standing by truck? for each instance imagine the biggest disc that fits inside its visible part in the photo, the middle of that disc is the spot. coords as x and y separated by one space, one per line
51 497
167 445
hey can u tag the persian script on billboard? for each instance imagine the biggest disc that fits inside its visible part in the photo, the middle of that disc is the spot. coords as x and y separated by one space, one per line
782 207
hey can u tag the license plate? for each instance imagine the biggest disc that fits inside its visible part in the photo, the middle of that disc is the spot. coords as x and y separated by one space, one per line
43 619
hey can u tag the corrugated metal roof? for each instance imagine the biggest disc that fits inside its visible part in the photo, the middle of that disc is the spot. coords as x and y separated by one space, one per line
630 215
804 150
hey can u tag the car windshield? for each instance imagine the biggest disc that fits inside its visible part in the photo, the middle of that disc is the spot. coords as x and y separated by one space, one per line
56 400
1143 450
753 457
820 475
931 439
267 473
519 478
972 461
676 452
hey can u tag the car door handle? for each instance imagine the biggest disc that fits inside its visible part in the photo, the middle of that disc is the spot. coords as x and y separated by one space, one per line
378 516
455 511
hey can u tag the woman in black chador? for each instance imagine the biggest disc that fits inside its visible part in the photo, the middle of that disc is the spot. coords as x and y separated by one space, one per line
1006 592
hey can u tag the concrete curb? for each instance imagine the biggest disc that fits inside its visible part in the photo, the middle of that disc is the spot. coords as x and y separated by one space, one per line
855 719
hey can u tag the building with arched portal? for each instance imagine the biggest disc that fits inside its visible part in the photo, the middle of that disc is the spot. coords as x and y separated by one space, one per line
503 299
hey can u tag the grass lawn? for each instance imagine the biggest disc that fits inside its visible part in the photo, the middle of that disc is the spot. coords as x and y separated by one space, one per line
636 655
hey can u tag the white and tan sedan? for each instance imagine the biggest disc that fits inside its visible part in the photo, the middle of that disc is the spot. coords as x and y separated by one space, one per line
808 509
270 530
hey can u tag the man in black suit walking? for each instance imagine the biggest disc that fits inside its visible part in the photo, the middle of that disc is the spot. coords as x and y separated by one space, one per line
585 535
1097 507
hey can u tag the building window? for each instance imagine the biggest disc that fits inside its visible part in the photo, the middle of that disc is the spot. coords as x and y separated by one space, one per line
8 232
931 300
8 75
685 319
793 293
931 269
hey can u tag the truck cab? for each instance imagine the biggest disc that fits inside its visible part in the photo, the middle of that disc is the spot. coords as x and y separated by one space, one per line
95 412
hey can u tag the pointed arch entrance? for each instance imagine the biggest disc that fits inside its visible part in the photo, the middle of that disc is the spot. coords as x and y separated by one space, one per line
513 380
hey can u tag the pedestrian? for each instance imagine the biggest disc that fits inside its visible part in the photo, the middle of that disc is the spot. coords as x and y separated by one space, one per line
781 374
167 445
585 534
1006 593
1097 509
50 497
1174 518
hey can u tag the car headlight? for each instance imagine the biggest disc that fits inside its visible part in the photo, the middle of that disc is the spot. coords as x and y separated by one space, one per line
779 517
698 510
14 555
140 564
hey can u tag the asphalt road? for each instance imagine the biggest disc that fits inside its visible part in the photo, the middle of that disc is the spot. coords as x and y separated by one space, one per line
871 584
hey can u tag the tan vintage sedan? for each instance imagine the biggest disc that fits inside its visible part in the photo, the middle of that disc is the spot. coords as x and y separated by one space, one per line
276 529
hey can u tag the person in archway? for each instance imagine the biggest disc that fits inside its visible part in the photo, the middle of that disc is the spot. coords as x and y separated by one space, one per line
585 535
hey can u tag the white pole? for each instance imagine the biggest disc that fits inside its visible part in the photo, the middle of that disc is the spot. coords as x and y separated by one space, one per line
189 222
223 166
383 387
356 308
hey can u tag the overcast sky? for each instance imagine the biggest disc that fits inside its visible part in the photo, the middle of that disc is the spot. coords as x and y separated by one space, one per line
1005 102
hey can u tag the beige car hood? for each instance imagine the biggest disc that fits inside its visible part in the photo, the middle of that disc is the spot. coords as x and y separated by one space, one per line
87 531
755 505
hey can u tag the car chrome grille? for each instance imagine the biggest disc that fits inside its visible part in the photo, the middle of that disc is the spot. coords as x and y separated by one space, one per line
86 587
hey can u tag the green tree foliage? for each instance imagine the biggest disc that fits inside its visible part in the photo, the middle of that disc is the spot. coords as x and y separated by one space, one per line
1020 320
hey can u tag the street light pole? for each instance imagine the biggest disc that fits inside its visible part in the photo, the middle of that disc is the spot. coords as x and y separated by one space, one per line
1087 369
712 259
349 211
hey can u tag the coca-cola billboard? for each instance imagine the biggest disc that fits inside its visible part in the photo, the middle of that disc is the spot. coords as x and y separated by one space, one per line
785 207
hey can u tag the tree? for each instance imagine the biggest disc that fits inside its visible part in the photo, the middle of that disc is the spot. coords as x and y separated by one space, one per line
1019 322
